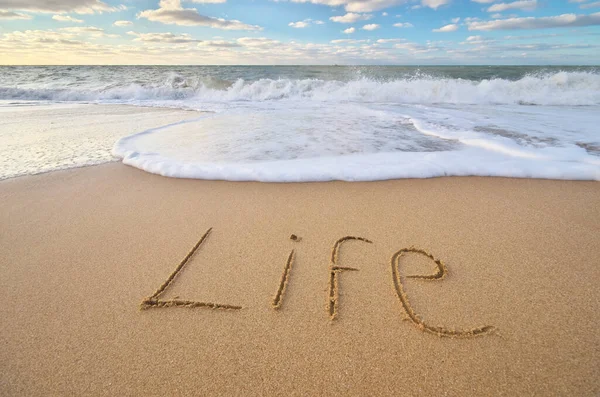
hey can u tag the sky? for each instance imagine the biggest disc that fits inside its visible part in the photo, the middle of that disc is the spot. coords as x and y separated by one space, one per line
269 32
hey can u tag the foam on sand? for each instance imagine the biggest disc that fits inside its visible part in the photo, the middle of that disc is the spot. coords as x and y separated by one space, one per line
355 142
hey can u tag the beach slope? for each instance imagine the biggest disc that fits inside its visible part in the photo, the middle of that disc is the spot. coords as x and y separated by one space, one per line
80 250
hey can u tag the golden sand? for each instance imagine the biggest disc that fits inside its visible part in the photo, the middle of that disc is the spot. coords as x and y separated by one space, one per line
506 271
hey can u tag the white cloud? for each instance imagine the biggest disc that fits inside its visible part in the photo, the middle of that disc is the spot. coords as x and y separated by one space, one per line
87 30
477 40
62 47
351 18
82 29
304 24
385 41
171 12
403 25
371 26
13 15
483 1
455 20
257 42
60 6
531 36
219 43
123 23
40 38
384 14
528 5
66 18
164 38
474 38
590 5
349 30
348 41
434 3
299 24
448 28
559 21
356 5
415 48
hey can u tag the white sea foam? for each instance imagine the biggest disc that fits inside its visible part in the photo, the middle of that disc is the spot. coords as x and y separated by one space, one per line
359 143
561 88
541 124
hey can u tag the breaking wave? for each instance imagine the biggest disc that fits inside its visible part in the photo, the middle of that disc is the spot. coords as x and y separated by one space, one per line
559 88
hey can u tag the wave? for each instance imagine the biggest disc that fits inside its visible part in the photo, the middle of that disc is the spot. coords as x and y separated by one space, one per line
560 88
358 143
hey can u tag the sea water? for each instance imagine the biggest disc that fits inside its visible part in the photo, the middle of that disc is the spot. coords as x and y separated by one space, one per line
318 123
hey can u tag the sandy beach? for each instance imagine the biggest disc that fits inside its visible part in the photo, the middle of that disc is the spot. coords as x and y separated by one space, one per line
81 249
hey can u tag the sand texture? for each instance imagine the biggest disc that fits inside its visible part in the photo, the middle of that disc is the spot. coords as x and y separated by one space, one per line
115 282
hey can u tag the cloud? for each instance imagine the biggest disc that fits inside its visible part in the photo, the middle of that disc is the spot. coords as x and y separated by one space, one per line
257 42
304 24
448 28
87 30
164 38
48 39
38 38
170 12
559 21
60 6
299 24
403 25
528 5
483 1
123 23
219 44
531 36
384 14
434 3
590 5
348 41
356 5
415 48
351 18
371 26
62 47
349 30
477 40
385 41
66 18
13 15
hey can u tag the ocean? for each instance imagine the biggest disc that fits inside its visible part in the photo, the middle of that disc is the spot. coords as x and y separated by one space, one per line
353 123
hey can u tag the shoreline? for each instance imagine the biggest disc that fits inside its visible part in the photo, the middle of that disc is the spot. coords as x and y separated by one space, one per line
82 249
38 139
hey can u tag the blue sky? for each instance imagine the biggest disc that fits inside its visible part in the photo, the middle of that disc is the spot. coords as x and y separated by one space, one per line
300 32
